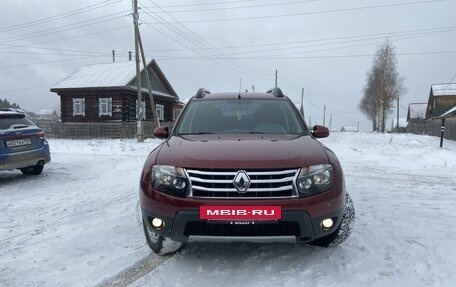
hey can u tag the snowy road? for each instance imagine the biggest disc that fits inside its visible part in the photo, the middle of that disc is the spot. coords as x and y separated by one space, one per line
78 223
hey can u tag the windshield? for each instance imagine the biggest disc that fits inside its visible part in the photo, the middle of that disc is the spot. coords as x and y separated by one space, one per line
240 116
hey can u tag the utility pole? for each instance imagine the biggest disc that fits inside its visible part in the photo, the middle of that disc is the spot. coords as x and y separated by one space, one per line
113 56
149 85
276 78
139 127
324 115
330 122
310 121
397 123
302 103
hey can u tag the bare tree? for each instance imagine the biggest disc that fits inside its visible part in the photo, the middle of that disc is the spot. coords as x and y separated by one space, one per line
369 103
383 87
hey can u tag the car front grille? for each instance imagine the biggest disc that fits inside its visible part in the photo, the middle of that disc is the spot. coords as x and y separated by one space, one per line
263 183
280 228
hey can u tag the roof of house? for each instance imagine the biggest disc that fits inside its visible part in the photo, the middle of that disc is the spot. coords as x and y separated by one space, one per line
448 89
448 113
111 75
417 111
100 75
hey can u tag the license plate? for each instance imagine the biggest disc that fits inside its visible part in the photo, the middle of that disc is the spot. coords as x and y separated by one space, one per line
19 142
241 213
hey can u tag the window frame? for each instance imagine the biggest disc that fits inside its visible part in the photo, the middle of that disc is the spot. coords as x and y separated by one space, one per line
79 106
161 114
105 106
179 110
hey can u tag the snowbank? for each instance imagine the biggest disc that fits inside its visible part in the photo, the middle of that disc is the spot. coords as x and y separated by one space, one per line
78 224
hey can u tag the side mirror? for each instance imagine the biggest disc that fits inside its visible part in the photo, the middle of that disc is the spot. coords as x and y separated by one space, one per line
161 132
320 131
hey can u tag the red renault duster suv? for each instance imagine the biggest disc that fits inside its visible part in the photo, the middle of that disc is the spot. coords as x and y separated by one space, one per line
243 167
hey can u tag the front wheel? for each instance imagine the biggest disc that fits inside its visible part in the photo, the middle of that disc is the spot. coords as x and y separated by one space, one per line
160 245
343 231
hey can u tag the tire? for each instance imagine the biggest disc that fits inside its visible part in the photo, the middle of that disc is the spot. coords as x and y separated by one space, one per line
160 245
35 169
343 231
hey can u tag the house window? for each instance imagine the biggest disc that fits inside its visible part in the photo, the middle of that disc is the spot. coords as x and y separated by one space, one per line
78 107
143 107
176 113
160 112
105 107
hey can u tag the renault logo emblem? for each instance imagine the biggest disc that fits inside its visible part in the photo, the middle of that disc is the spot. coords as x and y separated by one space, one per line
241 181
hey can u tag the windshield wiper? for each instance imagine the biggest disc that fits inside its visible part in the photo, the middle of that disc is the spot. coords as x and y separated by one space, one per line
18 126
198 133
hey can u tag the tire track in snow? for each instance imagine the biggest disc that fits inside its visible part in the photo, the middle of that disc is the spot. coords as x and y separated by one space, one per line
136 271
140 268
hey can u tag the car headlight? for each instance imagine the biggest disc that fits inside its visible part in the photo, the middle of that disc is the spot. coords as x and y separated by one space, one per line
314 179
170 179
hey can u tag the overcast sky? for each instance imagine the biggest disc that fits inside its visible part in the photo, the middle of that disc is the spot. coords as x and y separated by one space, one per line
324 46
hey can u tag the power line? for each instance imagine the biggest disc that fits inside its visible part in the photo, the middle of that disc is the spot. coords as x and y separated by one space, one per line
396 37
207 4
86 75
59 30
310 13
450 82
312 57
49 54
392 34
184 36
25 88
59 16
239 7
49 48
209 44
399 38
83 35
199 43
53 61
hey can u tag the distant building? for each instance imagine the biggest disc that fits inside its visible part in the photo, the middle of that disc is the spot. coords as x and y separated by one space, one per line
349 129
107 93
416 112
45 114
442 101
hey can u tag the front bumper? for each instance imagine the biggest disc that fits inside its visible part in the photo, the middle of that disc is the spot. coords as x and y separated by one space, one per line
295 226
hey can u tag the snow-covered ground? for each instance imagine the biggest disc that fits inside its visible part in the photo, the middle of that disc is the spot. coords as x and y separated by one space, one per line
78 224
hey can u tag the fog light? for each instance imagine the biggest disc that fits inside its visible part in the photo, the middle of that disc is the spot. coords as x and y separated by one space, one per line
157 223
327 223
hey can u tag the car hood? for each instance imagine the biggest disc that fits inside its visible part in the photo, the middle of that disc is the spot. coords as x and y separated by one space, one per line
245 151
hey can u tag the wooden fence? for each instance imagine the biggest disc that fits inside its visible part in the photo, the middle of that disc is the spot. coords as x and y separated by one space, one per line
115 130
433 128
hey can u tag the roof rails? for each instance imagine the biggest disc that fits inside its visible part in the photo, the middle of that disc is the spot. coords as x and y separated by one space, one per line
277 92
201 93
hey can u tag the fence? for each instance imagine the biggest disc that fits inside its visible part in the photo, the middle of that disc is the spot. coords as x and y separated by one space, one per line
433 128
117 130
